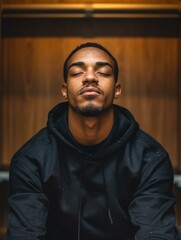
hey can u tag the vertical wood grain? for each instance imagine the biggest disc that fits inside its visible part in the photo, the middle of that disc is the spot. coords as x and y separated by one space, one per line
33 52
32 79
1 112
90 1
179 101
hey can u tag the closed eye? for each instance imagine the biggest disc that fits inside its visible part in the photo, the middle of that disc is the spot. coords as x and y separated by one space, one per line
76 73
104 74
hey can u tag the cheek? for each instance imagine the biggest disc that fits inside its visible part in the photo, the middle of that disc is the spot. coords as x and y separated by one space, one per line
110 94
109 89
72 95
72 90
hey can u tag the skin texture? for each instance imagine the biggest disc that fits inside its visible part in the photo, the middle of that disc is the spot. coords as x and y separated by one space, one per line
90 90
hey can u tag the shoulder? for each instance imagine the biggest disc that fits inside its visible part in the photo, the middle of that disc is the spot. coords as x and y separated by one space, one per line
36 153
147 144
146 154
36 144
152 154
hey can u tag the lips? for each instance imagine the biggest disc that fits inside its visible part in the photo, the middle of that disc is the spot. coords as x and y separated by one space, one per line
90 90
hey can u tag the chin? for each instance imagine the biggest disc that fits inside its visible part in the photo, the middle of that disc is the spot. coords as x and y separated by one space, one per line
91 110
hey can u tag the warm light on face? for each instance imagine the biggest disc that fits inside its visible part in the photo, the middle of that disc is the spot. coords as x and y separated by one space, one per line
90 87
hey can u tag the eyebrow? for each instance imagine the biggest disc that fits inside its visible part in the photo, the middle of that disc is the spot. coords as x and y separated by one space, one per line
76 64
97 63
104 64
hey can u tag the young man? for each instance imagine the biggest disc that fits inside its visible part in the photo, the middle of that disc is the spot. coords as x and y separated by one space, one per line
92 173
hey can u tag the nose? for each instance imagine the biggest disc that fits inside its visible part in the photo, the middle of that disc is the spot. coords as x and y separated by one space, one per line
90 77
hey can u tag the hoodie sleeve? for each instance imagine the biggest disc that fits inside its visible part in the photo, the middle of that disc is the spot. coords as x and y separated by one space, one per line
28 204
152 208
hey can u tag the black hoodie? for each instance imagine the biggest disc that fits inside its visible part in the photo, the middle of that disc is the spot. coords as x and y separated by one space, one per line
120 189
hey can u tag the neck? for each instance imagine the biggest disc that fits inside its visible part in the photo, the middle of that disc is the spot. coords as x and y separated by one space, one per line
90 130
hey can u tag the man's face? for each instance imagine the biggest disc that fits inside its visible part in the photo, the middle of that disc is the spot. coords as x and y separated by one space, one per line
90 86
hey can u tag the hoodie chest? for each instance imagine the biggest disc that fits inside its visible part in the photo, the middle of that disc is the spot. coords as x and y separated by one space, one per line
92 192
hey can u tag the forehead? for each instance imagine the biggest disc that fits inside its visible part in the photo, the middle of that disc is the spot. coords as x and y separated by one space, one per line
90 54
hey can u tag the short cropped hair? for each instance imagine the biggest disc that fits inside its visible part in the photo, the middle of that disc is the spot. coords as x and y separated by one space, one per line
95 45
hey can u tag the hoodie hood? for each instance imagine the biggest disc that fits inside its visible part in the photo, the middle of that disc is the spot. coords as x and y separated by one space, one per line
124 126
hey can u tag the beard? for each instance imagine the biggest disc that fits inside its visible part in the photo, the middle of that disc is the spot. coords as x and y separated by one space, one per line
90 110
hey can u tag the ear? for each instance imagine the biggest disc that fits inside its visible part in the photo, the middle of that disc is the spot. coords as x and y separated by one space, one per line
117 92
64 90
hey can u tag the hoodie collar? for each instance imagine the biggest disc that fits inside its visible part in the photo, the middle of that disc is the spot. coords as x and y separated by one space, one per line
124 126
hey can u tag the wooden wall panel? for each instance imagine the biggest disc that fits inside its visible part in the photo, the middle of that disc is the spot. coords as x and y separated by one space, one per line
1 139
91 1
150 75
31 86
33 51
33 55
179 100
178 191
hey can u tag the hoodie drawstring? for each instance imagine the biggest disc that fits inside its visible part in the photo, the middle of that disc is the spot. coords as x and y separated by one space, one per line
107 200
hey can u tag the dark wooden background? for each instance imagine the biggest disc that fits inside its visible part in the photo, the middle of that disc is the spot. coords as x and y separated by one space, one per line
34 48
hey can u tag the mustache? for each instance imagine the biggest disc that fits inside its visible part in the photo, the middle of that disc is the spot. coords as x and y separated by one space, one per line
93 85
